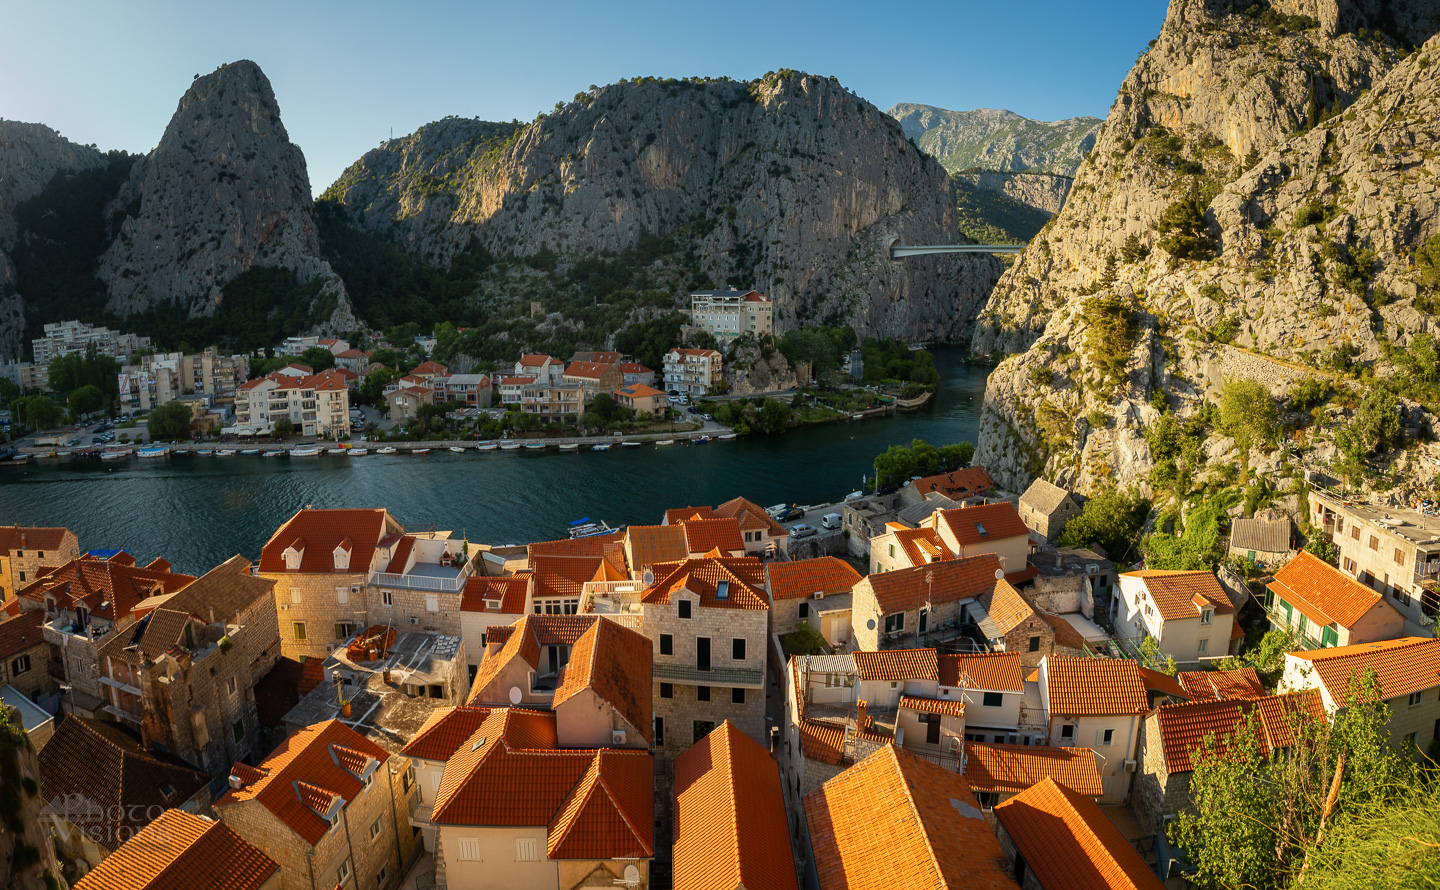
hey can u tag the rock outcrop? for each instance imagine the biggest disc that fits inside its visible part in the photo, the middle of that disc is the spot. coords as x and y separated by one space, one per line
753 367
791 185
1043 191
1306 243
991 139
224 191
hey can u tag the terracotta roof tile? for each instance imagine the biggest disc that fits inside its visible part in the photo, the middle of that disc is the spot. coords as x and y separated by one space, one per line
949 707
1009 769
509 591
22 537
1322 592
897 820
949 581
897 664
305 761
704 535
1068 841
1222 685
1081 686
743 579
822 741
616 663
109 588
566 576
1402 667
957 484
181 851
1184 727
523 641
995 671
1157 681
588 370
804 577
1179 595
609 547
750 516
677 515
1008 607
985 523
649 545
609 814
444 731
321 532
21 633
922 546
730 825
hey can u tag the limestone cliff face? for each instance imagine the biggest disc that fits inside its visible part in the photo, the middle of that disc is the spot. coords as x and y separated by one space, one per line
30 156
1043 191
792 185
995 139
225 190
1313 244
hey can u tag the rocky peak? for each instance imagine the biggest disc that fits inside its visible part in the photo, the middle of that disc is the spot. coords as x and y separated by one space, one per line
224 191
996 139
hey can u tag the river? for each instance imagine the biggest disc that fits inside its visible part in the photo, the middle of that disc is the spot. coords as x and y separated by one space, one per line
198 511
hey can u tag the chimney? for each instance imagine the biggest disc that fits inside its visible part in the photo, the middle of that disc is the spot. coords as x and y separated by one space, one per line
339 686
862 721
1057 561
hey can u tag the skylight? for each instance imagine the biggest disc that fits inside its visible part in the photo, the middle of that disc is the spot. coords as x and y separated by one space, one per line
722 590
981 529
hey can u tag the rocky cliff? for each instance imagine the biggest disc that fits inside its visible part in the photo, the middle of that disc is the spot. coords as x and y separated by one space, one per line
791 185
991 139
224 191
1253 209
1043 191
30 156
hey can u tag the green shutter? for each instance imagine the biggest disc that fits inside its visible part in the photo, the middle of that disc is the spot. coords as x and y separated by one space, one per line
1328 637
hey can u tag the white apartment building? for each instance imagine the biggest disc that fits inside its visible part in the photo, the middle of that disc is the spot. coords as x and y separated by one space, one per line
65 337
728 314
318 405
1394 551
691 372
165 377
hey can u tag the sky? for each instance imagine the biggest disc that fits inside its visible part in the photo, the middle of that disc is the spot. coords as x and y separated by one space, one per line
347 74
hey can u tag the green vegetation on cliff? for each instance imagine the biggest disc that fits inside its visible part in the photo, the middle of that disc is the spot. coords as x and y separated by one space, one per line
991 217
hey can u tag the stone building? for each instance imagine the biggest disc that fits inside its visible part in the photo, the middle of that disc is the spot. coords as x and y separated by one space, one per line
595 377
959 486
909 606
728 314
708 620
24 551
329 806
1012 623
25 657
815 591
1046 509
1188 614
184 676
1325 607
182 847
1266 542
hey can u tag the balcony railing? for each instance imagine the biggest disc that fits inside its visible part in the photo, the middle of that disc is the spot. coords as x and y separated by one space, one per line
1304 639
421 582
689 674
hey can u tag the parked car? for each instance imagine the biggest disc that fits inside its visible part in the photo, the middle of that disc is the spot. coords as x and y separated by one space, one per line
830 521
802 531
693 410
706 417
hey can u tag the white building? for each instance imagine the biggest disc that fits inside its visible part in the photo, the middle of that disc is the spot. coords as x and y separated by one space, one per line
65 337
728 314
691 371
318 405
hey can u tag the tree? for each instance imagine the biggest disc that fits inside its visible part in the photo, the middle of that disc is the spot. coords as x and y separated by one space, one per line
9 392
603 404
85 400
1110 520
1186 234
39 412
284 428
317 359
1377 421
1248 413
169 421
775 416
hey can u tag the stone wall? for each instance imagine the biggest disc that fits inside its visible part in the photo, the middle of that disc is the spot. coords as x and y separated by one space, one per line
1155 793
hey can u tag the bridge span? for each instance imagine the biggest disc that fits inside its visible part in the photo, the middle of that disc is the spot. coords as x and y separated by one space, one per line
898 251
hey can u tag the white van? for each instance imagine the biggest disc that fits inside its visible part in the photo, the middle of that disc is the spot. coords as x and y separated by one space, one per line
830 521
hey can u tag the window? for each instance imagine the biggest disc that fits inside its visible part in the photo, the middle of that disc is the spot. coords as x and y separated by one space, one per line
1355 532
737 649
1399 557
1104 738
804 610
667 644
737 696
468 849
895 623
1035 644
342 873
1374 543
659 731
343 630
231 687
1349 565
1203 647
294 596
387 598
22 576
684 607
667 690
20 665
299 630
702 693
1412 738
524 849
238 728
892 551
1067 732
992 700
407 780
432 602
374 829
342 595
1415 698
40 554
1206 615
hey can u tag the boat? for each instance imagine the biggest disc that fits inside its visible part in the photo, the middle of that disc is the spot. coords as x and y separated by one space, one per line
39 454
225 452
534 446
420 451
338 452
569 446
666 442
510 446
181 452
86 452
115 454
701 440
154 451
250 451
205 452
603 446
388 449
632 444
587 527
458 449
358 452
277 452
309 451
487 446
725 437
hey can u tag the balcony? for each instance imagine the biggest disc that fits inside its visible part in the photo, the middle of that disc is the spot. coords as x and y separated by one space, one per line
425 576
689 674
1303 639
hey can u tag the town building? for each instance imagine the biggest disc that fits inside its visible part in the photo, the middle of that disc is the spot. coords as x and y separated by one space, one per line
961 486
354 361
691 372
184 677
316 404
1011 622
645 401
183 850
165 377
997 773
469 390
297 345
728 314
101 785
1242 684
1058 839
1392 550
1325 607
1407 673
634 373
730 826
542 367
596 378
553 402
1045 509
25 551
1187 613
901 547
406 400
647 546
488 602
761 533
933 836
25 657
815 591
68 337
326 805
509 389
1070 580
989 528
708 620
1265 542
919 606
870 517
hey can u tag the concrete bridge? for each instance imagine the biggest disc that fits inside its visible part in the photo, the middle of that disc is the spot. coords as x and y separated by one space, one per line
903 250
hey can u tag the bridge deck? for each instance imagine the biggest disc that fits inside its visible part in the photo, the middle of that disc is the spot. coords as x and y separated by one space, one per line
897 251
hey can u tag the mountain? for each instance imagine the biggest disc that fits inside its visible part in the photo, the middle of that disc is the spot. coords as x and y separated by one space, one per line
1007 208
991 139
789 184
1261 204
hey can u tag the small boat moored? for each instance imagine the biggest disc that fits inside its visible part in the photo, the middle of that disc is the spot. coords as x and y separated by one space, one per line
534 446
205 452
250 451
458 449
666 442
277 452
337 452
725 437
587 527
632 444
388 449
420 451
569 446
510 446
115 454
154 451
306 452
225 452
487 446
357 452
603 446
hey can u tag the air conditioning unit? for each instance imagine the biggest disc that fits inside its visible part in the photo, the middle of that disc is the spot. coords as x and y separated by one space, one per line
284 607
819 594
617 737
1130 766
414 620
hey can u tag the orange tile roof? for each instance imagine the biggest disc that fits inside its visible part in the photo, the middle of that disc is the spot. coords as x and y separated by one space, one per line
922 546
516 381
704 535
751 516
897 664
399 556
1065 633
1009 769
21 633
1402 667
1321 592
1156 681
1183 728
957 484
822 741
319 532
510 590
805 577
610 547
21 537
523 640
949 707
182 851
948 581
1008 607
603 357
566 576
598 804
985 523
430 368
444 731
730 825
616 663
743 576
1179 595
1081 686
1222 685
305 759
649 545
898 820
1068 841
994 671
588 370
635 368
108 588
677 515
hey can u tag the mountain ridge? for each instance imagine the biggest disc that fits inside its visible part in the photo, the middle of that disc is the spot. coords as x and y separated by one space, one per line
997 139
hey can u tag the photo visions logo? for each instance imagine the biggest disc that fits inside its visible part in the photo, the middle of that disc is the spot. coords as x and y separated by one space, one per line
76 814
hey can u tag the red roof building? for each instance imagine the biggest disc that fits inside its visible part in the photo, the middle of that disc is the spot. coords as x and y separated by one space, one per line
182 851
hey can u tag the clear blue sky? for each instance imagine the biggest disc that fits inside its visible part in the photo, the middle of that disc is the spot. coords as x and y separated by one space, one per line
346 73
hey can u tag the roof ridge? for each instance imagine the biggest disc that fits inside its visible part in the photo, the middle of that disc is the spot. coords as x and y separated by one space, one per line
615 803
909 787
1071 798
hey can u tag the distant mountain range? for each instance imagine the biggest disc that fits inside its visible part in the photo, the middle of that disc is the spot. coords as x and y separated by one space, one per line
990 139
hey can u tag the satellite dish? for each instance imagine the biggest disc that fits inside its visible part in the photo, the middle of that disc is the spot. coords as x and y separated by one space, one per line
515 695
632 877
999 574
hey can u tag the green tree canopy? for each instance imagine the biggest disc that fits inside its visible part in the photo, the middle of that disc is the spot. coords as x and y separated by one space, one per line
317 359
39 412
648 341
1110 520
169 421
1186 235
85 400
284 428
1377 422
68 373
900 462
1248 413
